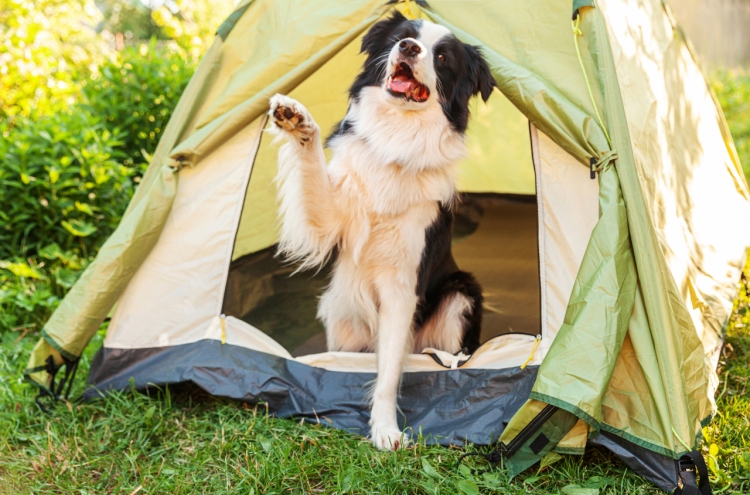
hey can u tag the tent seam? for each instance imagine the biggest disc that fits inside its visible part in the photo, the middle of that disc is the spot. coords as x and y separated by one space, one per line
541 252
58 347
238 214
601 426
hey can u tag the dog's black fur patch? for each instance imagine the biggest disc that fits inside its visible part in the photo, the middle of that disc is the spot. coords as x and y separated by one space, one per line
463 74
440 278
342 128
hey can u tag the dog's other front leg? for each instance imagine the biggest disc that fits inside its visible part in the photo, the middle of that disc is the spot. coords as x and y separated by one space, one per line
310 226
397 305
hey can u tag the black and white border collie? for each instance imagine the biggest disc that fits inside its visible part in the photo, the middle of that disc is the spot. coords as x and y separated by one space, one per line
383 204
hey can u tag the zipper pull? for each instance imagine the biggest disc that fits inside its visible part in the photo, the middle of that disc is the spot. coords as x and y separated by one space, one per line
533 351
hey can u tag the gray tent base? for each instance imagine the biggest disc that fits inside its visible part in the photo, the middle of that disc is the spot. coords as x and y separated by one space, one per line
474 405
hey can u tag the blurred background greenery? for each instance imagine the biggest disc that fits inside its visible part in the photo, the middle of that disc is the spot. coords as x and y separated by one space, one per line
86 89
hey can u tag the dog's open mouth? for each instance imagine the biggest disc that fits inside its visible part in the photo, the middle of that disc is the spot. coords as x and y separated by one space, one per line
403 84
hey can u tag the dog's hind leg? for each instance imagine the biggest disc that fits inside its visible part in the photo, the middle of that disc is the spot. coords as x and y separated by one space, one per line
451 319
310 227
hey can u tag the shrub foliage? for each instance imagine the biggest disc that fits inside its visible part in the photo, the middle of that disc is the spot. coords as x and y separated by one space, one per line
73 145
733 91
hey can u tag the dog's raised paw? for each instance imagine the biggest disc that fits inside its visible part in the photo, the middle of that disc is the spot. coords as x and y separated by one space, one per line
289 115
389 438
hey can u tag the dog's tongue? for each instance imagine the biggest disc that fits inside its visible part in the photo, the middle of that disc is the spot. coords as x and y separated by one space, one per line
401 84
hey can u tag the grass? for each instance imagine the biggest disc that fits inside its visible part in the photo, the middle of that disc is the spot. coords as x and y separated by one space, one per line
187 442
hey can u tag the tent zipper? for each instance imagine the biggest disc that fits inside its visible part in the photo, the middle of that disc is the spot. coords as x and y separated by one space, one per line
533 351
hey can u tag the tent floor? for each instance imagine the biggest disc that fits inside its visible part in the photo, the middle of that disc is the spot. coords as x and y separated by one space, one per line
495 238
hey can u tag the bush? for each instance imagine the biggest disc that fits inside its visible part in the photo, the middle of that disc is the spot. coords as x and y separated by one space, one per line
30 290
66 179
62 181
194 23
47 48
135 92
78 124
733 91
64 188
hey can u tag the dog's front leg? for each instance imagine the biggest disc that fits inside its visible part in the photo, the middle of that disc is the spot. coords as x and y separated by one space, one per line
397 305
310 226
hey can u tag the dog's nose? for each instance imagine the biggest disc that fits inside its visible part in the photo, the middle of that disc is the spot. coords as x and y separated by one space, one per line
409 47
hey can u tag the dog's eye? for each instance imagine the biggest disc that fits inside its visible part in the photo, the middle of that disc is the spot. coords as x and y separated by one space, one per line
441 57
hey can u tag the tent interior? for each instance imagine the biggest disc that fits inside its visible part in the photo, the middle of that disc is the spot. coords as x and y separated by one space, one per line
494 237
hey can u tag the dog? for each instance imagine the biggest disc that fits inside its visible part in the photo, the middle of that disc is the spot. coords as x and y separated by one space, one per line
382 207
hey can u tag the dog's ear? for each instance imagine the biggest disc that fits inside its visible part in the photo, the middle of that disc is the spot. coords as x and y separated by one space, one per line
376 38
480 74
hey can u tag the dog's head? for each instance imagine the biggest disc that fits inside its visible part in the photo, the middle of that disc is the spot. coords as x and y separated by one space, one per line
418 63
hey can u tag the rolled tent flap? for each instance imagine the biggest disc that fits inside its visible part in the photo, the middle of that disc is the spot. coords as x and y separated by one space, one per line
87 303
577 369
91 298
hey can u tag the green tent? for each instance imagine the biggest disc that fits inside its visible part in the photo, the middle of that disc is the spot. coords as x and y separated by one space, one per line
601 194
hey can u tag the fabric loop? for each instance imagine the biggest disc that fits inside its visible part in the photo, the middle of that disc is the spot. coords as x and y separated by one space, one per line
694 475
604 161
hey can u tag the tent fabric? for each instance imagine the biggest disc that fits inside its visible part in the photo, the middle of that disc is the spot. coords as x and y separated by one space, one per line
179 288
666 98
563 186
133 239
450 406
636 269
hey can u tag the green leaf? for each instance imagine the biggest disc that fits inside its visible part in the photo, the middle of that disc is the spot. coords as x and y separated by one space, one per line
430 487
548 460
429 470
79 228
599 482
85 208
579 490
54 175
713 465
66 277
51 251
468 487
346 483
265 443
21 270
149 413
